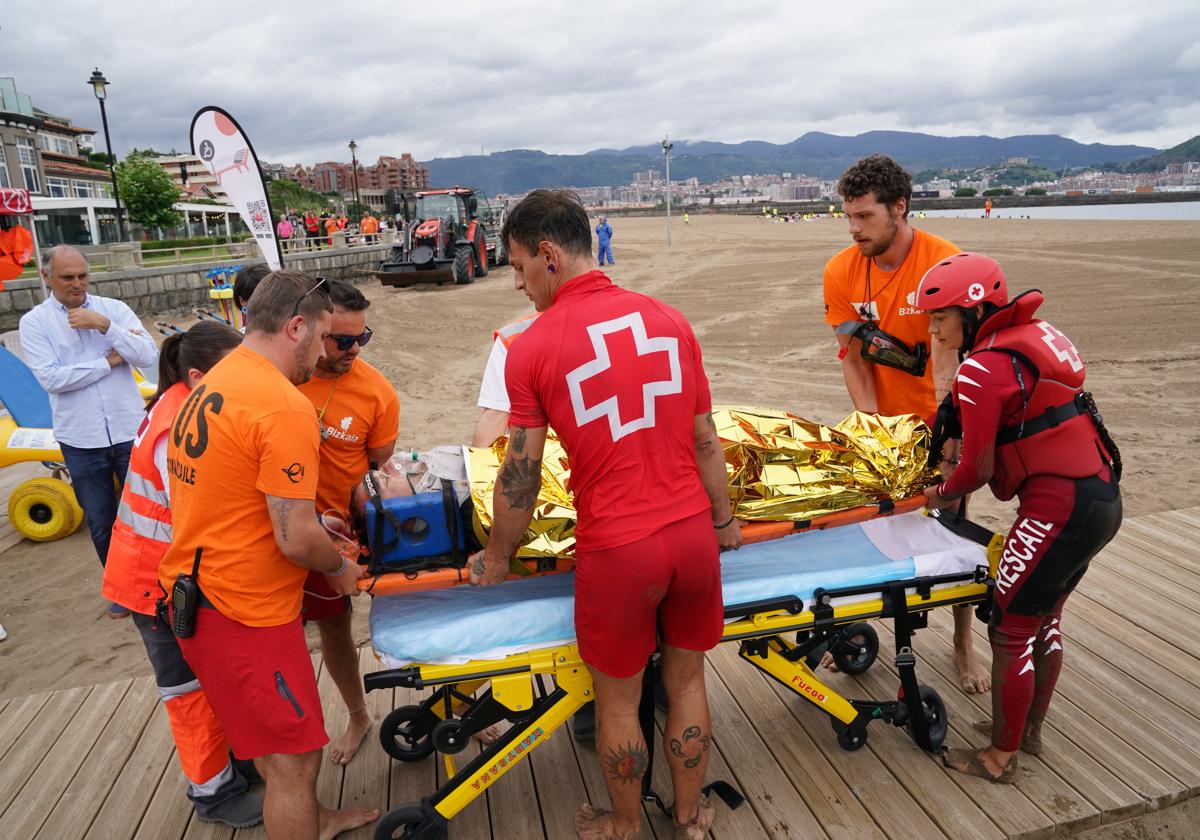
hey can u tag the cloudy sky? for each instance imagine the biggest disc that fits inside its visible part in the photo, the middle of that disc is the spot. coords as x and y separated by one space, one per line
442 79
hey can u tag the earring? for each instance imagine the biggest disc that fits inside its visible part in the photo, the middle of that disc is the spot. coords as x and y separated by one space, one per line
550 268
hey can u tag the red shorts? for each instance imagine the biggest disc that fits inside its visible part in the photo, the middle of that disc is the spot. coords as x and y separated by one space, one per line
260 682
669 582
320 601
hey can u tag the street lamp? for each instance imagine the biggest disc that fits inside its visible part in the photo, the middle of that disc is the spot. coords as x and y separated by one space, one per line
99 85
667 145
354 174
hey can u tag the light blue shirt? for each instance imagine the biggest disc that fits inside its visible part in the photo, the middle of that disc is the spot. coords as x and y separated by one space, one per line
95 406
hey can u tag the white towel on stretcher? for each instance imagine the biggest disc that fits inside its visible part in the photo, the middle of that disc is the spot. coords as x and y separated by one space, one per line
465 623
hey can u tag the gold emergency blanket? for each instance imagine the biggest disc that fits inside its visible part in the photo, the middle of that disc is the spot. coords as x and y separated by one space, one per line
781 467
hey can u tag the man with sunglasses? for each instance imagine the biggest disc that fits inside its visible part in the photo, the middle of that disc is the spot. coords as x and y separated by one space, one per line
870 301
359 416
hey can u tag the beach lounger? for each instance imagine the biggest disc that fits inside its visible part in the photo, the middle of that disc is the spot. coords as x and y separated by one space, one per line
787 599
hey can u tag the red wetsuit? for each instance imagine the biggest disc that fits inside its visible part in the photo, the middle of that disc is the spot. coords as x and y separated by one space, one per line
1069 509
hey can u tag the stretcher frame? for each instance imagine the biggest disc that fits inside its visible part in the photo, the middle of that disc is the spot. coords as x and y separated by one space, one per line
538 691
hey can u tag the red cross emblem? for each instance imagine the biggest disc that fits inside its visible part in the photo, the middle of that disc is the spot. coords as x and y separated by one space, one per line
629 372
1061 346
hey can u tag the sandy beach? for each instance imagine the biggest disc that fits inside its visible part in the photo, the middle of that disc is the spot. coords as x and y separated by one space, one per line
1124 291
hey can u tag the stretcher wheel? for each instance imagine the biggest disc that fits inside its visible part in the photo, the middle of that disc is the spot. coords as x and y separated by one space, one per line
403 734
409 821
935 717
847 740
855 649
449 737
44 509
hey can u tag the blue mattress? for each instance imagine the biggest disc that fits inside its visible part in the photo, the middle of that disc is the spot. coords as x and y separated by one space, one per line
467 623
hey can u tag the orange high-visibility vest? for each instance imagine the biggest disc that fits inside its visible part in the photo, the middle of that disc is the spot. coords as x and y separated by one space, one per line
141 534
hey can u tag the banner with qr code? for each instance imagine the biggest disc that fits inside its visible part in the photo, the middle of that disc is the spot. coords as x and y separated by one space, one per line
219 141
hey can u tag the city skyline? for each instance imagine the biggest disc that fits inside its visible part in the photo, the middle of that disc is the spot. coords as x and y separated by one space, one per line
565 81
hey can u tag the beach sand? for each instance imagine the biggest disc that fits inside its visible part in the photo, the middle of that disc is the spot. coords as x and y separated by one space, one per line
1124 291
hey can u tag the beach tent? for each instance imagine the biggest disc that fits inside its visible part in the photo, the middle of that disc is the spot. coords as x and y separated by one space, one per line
18 203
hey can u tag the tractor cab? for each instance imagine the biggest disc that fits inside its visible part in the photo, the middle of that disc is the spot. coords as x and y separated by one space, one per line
450 235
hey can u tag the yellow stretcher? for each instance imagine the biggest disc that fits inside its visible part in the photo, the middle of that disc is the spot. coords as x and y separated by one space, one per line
536 691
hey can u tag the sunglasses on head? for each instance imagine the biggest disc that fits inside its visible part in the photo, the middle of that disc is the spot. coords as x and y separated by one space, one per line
296 308
345 342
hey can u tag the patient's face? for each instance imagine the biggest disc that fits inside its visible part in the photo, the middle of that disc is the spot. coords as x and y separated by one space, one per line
390 486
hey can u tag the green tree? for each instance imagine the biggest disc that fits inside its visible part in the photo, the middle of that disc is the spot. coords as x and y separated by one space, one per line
998 191
288 195
1035 191
148 193
964 192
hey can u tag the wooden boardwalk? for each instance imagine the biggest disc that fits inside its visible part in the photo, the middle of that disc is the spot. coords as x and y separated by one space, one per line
1123 738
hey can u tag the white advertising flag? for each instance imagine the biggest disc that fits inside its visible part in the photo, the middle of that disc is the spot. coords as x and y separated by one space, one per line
219 141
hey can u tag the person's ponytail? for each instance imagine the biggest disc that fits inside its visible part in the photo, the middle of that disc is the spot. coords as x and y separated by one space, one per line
168 364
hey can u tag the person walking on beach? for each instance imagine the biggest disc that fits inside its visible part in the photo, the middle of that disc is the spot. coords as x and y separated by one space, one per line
604 234
987 208
1030 431
870 289
82 349
651 494
244 446
218 789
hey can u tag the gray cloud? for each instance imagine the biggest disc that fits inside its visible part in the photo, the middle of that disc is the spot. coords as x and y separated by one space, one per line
303 78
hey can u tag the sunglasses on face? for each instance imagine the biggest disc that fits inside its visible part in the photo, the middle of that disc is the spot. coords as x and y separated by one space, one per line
345 342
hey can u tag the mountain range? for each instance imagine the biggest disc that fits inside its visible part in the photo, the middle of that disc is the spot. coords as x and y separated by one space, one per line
814 154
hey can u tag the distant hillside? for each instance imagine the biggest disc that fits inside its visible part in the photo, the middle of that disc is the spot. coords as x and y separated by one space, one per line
815 154
1185 151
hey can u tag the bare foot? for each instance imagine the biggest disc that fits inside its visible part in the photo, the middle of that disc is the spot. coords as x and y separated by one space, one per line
596 824
488 736
985 764
974 677
828 663
697 827
333 823
347 746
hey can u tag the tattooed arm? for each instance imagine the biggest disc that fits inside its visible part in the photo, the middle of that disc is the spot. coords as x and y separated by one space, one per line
710 458
304 542
517 486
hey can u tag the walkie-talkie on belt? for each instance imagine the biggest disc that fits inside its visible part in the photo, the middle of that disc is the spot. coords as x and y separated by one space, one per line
185 598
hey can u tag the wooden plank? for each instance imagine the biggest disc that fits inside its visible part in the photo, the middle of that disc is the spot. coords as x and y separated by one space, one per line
18 714
365 784
130 795
27 753
1111 797
409 783
958 803
1166 583
1155 537
1179 523
1138 771
558 781
772 786
76 809
329 780
512 803
1170 622
794 788
169 812
474 821
1137 563
1065 807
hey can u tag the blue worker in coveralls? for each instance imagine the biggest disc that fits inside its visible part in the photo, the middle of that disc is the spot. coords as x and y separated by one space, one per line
604 241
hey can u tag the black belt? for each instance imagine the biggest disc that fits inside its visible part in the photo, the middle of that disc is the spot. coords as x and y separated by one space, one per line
1050 418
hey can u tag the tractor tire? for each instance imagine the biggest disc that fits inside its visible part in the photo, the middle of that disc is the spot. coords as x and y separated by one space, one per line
44 509
464 266
481 249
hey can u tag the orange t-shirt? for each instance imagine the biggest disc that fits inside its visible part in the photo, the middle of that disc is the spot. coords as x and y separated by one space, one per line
892 299
244 433
369 225
357 411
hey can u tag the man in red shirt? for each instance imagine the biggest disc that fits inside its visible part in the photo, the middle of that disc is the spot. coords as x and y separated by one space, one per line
620 378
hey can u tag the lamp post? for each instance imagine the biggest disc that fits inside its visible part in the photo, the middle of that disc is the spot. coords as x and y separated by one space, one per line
354 175
667 145
99 85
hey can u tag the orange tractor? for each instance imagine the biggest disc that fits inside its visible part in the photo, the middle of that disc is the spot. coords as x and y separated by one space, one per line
449 235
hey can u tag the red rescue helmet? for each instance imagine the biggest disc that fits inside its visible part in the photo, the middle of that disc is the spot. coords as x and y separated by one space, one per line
964 280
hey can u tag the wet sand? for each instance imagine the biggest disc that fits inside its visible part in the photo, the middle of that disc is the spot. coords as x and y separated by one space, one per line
1124 291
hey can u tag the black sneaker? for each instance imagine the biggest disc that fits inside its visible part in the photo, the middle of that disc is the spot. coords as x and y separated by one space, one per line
239 812
583 724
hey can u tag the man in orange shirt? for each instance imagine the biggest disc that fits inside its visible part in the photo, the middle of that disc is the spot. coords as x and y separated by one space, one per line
870 301
369 226
359 416
243 462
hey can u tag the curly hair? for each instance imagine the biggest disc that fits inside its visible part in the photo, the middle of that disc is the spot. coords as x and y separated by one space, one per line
877 174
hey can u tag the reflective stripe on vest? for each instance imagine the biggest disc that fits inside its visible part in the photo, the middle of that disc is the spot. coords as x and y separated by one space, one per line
511 332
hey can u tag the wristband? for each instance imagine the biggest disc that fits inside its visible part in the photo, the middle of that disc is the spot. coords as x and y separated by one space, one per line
339 569
726 525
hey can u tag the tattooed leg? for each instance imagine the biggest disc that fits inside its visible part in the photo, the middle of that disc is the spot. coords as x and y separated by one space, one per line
688 732
622 752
